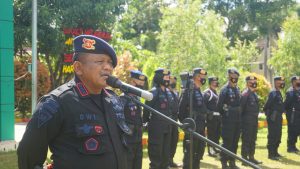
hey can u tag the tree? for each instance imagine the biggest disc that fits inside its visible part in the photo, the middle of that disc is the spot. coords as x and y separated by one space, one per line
286 59
140 23
23 85
191 38
247 20
242 55
53 16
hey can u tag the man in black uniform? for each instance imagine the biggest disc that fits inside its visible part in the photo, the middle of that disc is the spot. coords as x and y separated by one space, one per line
199 115
229 107
213 120
159 131
174 129
133 116
292 107
274 108
250 110
81 122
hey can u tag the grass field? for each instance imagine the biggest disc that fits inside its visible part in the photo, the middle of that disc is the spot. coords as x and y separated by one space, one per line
8 160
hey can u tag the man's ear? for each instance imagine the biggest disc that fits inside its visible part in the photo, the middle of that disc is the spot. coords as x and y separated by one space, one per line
77 68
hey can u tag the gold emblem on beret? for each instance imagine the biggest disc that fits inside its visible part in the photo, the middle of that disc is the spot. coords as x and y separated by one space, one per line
88 44
297 77
251 78
202 72
142 77
165 72
282 78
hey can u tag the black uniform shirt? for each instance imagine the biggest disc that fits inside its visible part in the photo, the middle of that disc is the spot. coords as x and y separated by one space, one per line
274 103
292 100
211 97
161 101
199 107
174 105
133 116
249 103
229 97
81 130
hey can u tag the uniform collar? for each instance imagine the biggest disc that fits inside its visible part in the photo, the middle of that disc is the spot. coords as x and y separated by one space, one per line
81 89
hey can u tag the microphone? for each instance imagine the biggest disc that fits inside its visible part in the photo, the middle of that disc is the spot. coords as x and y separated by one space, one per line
127 88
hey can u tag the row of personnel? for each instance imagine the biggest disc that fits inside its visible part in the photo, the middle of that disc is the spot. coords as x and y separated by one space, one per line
86 125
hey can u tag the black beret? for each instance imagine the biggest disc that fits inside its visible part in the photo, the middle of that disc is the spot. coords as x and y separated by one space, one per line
251 78
233 71
93 44
136 74
162 71
278 78
212 78
293 78
199 71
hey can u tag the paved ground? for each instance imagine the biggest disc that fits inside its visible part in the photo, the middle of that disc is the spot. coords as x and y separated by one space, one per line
19 131
13 144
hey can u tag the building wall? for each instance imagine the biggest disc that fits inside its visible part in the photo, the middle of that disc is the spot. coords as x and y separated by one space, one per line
6 71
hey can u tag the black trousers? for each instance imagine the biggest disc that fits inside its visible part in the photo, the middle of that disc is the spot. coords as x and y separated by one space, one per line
135 156
274 134
230 135
159 151
249 136
174 141
214 129
293 133
198 147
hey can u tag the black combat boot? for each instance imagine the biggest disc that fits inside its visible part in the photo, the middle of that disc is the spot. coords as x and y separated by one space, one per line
246 158
232 165
224 165
253 160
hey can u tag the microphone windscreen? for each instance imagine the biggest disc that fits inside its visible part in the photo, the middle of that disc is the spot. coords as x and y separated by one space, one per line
112 81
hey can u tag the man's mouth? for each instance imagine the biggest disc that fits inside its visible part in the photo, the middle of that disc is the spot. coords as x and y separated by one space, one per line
105 75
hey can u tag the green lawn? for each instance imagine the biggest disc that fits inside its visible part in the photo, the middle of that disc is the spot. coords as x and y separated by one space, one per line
8 160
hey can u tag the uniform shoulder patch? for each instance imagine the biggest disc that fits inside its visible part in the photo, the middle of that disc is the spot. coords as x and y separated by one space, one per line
224 90
61 89
154 91
46 111
273 93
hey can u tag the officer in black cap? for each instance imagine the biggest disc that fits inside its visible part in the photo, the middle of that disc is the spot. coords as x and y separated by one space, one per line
133 116
250 110
174 129
159 131
229 107
213 120
199 115
274 108
81 121
292 107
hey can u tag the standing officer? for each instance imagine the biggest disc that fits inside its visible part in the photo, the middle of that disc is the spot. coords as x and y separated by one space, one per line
199 115
81 121
174 129
292 106
213 120
274 108
133 116
229 107
250 110
159 131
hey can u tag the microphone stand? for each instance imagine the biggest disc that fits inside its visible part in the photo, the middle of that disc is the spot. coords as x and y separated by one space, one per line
191 92
189 126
